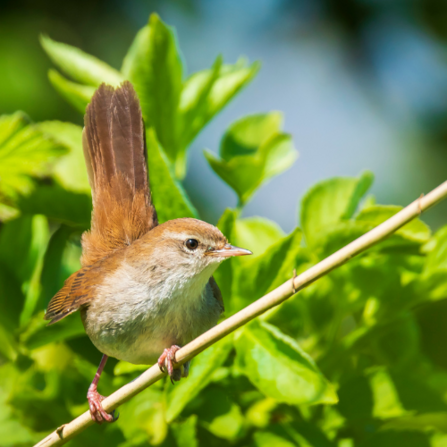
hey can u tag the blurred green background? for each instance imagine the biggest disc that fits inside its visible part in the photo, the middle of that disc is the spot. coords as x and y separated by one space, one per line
358 358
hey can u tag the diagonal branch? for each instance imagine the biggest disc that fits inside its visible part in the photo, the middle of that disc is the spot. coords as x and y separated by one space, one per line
275 297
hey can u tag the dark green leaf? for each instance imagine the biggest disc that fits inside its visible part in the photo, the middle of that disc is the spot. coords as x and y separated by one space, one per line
202 368
185 432
52 276
40 334
59 204
220 415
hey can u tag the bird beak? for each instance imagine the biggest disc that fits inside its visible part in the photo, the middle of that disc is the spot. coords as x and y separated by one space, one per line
228 251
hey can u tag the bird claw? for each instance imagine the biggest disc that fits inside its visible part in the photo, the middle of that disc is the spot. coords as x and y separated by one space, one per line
167 363
97 412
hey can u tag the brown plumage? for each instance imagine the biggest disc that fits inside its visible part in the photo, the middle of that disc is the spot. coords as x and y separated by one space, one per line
115 153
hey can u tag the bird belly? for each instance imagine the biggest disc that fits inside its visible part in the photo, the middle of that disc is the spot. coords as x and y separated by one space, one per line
138 323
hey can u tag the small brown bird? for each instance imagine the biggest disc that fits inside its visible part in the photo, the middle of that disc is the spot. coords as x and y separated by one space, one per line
144 289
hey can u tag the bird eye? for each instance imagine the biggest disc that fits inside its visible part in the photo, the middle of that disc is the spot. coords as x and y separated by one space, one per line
192 244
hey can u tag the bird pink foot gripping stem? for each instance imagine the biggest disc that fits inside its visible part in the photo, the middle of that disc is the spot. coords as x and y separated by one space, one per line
144 289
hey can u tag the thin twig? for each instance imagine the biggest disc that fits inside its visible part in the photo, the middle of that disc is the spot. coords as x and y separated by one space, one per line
275 297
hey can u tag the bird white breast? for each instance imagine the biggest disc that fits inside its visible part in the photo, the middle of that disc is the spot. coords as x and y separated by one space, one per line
135 319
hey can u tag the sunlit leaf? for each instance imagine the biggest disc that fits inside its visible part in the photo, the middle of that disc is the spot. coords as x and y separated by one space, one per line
252 151
206 92
25 152
329 202
78 95
170 199
414 231
69 170
267 439
224 273
80 66
257 234
276 365
154 67
262 274
193 106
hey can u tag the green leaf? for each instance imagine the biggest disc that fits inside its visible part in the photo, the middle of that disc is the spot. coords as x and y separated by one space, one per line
69 170
153 65
80 66
220 415
71 208
260 275
20 246
252 151
185 432
11 125
77 95
12 300
170 199
277 366
206 92
142 418
245 136
257 234
386 398
437 252
231 80
32 287
432 284
364 183
39 334
268 439
193 106
329 202
410 236
202 368
25 152
8 345
52 277
414 231
224 273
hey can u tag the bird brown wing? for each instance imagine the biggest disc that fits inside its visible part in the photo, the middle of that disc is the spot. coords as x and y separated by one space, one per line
76 292
217 293
115 155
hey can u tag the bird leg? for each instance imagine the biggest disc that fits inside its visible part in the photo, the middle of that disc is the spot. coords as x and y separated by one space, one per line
167 361
98 414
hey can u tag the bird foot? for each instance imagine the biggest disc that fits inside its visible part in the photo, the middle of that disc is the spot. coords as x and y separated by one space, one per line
167 362
98 414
